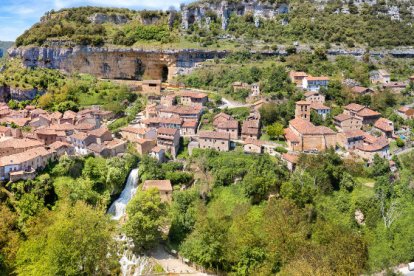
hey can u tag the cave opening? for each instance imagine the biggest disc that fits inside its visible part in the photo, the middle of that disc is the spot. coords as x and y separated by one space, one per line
164 73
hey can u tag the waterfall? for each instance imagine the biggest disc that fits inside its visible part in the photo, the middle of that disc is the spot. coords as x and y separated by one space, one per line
118 208
131 264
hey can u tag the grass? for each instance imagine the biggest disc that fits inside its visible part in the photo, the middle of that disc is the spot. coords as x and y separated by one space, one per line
365 182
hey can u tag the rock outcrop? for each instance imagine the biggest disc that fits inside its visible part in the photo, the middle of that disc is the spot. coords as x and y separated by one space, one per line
200 13
101 18
115 63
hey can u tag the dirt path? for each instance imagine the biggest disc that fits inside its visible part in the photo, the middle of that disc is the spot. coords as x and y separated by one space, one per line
171 264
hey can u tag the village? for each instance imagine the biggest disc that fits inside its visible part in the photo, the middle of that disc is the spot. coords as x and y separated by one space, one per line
32 137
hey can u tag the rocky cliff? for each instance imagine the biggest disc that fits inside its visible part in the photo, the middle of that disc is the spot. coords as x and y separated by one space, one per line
114 63
201 12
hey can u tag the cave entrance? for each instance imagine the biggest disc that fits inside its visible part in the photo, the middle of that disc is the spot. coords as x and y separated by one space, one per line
164 73
191 19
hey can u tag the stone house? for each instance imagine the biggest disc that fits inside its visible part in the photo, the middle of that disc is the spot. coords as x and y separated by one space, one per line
345 122
219 141
304 136
151 87
302 110
40 121
169 139
193 99
231 127
314 97
187 113
163 186
321 109
368 116
315 83
68 117
81 141
385 126
360 90
380 76
221 118
189 128
158 153
108 148
373 146
101 135
168 100
13 146
291 160
406 113
132 133
351 139
255 90
297 78
144 146
23 165
250 129
253 146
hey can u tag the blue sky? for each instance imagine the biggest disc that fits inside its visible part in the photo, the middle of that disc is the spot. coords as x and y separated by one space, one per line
16 16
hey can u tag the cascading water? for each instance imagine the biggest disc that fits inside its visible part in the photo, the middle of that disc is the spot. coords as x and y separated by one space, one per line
118 208
131 264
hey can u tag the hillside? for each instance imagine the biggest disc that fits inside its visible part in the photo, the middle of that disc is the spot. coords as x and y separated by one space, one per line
237 24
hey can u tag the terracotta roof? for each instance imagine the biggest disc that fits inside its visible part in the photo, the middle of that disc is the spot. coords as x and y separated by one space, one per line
309 78
96 148
172 120
233 124
395 85
18 121
378 145
311 93
384 124
69 114
65 127
360 89
98 132
23 156
292 158
58 144
298 74
354 107
254 142
303 103
366 112
167 131
342 117
193 95
354 133
135 130
56 115
190 124
291 136
370 139
403 109
305 127
46 131
214 135
85 126
183 110
20 143
38 111
114 143
251 124
161 185
142 141
80 136
319 106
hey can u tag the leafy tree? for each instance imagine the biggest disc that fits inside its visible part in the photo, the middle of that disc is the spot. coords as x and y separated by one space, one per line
275 130
146 214
73 240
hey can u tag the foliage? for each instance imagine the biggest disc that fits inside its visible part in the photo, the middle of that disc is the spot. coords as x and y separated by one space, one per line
146 213
74 240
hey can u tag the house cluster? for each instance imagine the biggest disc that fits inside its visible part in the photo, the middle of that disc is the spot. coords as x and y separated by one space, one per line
164 121
253 88
32 137
303 136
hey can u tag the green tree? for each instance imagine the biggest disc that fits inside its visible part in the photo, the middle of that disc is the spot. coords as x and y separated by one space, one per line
73 240
146 215
275 131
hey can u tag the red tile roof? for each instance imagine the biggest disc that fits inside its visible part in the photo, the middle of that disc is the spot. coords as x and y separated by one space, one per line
342 117
354 107
291 136
167 131
190 124
305 127
232 124
292 158
161 185
319 106
366 112
384 124
214 135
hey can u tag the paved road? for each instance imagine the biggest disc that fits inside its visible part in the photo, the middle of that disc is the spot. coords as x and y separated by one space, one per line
405 271
171 264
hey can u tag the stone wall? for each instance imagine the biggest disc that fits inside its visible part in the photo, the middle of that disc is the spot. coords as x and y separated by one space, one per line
115 63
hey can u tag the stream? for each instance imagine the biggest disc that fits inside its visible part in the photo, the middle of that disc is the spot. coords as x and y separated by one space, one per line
131 264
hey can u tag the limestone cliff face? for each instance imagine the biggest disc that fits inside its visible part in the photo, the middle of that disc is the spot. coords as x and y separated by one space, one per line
199 13
114 63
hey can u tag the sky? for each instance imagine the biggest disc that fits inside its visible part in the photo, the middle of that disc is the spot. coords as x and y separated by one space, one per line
16 16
